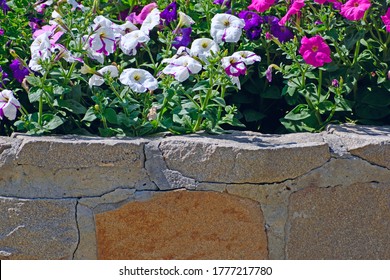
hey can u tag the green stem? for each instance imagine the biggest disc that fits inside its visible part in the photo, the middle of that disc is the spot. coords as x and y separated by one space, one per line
40 110
223 89
203 107
319 84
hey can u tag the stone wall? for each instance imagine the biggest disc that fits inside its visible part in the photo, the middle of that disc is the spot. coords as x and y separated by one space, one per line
241 195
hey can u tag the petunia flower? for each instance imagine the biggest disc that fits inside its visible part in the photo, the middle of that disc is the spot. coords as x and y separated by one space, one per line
103 41
268 73
76 5
40 7
183 39
139 19
203 48
355 9
225 3
251 19
169 14
40 51
261 5
151 20
247 57
9 105
97 79
283 33
184 20
226 28
182 67
386 20
1 31
4 6
253 33
315 51
295 8
138 80
19 71
129 43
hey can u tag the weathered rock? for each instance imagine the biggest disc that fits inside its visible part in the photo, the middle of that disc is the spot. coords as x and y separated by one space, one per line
339 223
183 225
56 167
244 158
86 249
371 143
37 229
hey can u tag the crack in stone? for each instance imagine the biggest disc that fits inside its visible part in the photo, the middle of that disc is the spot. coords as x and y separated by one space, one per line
78 231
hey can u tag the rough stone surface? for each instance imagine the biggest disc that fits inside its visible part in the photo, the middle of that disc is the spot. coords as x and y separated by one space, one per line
56 167
37 229
87 248
367 142
183 225
339 223
244 157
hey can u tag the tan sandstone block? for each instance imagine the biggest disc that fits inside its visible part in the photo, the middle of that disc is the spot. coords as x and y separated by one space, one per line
183 225
340 223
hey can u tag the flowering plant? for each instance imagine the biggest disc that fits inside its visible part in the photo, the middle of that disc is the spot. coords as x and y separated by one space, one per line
116 68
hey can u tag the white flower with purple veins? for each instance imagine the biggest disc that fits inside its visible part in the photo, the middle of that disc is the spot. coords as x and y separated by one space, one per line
151 20
40 51
233 65
132 40
203 48
182 67
182 51
138 80
98 79
9 105
120 30
76 5
247 57
226 28
101 21
103 41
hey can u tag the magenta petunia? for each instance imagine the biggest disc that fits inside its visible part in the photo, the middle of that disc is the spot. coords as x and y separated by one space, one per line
315 51
261 5
386 20
355 9
295 8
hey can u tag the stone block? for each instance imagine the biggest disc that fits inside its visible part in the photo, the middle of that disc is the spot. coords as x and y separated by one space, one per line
339 223
38 229
244 157
183 225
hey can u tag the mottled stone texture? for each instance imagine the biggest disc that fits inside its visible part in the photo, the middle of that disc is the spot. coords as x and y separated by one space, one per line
183 225
249 195
340 223
37 229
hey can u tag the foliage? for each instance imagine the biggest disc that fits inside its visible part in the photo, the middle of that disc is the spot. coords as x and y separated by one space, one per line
116 68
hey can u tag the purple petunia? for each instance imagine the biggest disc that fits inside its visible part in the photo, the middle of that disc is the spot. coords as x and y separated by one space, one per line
18 70
169 14
225 3
183 39
251 19
253 33
4 6
281 32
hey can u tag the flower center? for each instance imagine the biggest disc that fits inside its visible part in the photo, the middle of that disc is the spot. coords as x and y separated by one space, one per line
137 77
226 23
314 48
356 4
205 45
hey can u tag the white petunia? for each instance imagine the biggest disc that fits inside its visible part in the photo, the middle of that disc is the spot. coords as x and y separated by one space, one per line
226 28
138 80
103 41
9 105
247 57
98 80
101 21
129 42
203 48
185 20
151 20
120 30
41 50
180 52
182 67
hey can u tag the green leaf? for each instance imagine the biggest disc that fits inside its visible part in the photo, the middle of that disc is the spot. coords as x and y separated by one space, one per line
251 115
34 81
34 94
90 115
220 101
110 115
325 106
52 121
272 92
72 106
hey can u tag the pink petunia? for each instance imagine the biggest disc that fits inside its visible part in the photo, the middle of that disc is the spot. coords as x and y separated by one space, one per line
315 51
139 19
295 8
355 9
386 20
261 5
